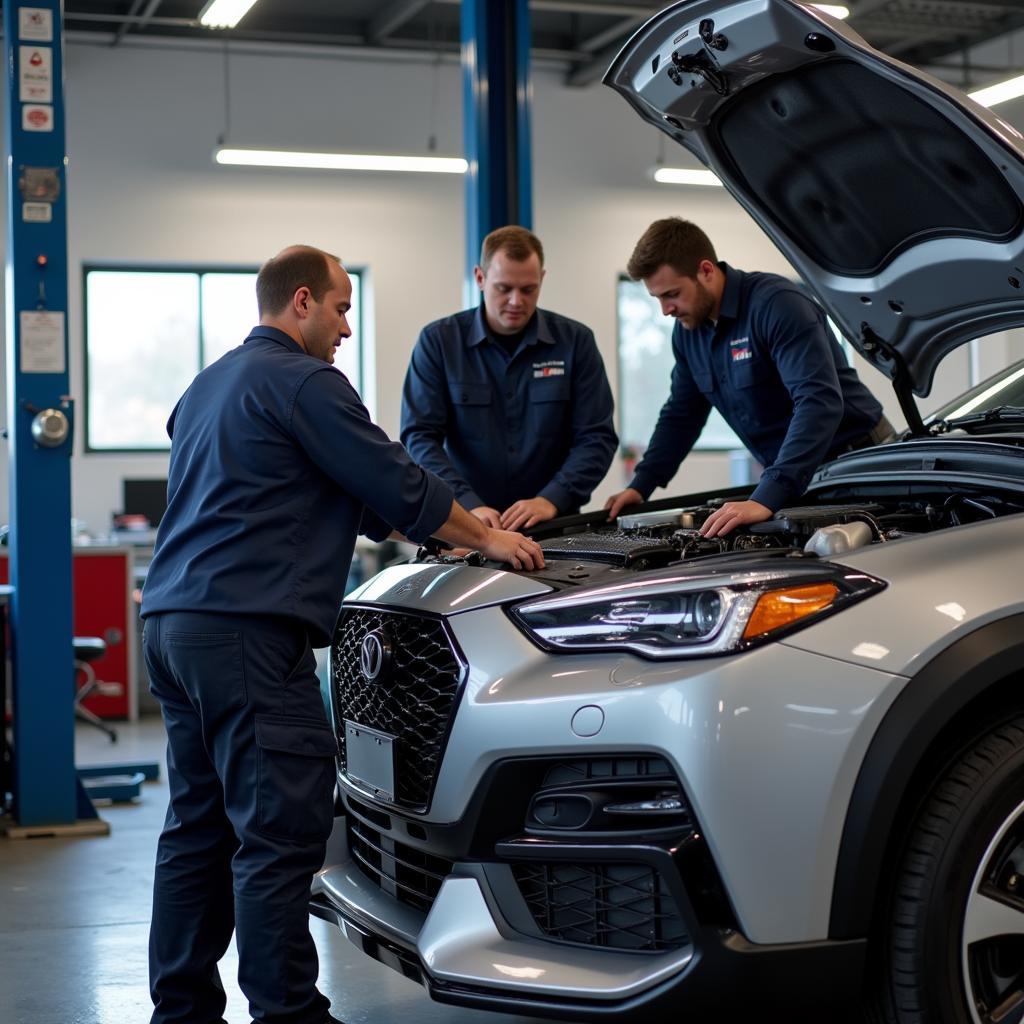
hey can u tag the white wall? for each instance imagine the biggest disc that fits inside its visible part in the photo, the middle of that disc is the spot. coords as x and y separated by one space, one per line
142 187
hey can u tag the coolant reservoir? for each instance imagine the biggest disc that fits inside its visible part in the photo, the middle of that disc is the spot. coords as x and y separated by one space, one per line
836 540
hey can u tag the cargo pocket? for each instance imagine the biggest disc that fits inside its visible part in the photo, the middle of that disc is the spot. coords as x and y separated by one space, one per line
295 778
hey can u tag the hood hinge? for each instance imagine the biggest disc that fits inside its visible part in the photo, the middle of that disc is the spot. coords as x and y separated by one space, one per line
871 342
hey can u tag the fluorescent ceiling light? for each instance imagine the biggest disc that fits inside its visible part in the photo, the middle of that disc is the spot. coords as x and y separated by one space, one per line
224 13
685 176
1000 92
839 11
340 161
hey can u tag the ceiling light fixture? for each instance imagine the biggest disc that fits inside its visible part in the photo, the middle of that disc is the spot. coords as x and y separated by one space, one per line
339 161
1000 92
224 13
685 176
839 11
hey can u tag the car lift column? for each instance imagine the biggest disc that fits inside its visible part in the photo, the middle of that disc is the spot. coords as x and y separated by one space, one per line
496 120
39 419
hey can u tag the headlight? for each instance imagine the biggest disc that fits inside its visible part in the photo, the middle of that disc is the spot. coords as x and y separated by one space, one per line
688 616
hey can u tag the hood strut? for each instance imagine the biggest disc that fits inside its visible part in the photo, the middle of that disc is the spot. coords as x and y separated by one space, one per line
871 342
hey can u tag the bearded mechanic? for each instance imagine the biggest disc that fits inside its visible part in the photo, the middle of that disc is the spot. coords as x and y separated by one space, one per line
755 347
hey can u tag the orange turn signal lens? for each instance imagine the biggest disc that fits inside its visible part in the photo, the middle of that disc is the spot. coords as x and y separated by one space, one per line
779 608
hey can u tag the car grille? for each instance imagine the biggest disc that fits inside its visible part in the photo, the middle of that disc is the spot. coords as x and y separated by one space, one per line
415 703
616 906
409 875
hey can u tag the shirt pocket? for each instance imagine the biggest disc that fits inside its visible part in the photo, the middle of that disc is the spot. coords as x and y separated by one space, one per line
746 373
549 412
550 389
469 394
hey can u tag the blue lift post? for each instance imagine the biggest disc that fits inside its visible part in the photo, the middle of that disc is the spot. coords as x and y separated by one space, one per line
47 795
496 120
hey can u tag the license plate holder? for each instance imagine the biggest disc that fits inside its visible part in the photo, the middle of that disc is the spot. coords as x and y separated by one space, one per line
370 759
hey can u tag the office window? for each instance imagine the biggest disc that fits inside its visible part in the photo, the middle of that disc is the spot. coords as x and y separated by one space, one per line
645 372
149 332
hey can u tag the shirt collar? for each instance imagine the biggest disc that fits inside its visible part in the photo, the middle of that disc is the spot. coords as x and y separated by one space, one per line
273 334
536 330
730 304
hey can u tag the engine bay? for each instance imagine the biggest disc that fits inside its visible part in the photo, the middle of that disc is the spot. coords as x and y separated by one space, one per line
587 549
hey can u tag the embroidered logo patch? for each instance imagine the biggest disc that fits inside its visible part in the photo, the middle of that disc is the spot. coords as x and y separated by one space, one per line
551 368
739 349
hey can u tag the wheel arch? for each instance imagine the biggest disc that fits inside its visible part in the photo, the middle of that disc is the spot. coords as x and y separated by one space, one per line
963 689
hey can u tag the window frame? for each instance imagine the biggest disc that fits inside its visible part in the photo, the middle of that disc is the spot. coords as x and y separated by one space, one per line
199 270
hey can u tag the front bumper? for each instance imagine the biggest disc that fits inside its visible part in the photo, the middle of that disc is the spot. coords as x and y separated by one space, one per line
464 952
763 748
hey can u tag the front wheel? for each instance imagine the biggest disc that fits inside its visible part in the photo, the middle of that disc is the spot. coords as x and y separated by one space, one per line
954 949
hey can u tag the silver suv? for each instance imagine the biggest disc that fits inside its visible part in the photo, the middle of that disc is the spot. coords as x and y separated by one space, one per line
666 772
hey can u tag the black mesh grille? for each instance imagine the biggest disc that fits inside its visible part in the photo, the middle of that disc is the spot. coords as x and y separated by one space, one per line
603 768
617 906
408 874
414 701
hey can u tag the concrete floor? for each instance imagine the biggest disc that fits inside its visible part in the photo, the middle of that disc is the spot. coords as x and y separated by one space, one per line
74 921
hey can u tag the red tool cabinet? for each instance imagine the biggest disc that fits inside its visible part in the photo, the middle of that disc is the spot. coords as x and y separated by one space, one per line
103 607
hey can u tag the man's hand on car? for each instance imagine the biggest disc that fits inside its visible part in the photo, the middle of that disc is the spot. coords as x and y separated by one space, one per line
488 516
617 502
520 551
527 512
733 514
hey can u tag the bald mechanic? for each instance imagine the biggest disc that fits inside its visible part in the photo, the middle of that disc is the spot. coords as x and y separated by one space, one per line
508 403
757 349
275 467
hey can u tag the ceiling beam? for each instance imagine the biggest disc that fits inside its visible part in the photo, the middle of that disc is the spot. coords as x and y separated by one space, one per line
617 31
584 7
132 13
393 17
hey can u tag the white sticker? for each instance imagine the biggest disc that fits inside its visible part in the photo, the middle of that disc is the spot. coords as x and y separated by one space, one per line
35 74
42 342
41 213
36 119
35 23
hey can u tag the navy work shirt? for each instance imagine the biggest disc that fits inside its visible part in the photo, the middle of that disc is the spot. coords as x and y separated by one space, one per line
275 467
498 427
775 372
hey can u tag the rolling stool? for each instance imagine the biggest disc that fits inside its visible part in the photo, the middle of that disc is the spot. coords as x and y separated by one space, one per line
88 649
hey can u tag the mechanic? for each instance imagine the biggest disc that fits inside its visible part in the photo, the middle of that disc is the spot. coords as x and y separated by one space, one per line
755 347
274 468
509 403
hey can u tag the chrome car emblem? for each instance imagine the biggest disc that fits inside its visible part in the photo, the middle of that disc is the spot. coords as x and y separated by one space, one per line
375 656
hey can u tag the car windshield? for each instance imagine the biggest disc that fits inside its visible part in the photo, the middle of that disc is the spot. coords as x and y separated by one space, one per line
1005 388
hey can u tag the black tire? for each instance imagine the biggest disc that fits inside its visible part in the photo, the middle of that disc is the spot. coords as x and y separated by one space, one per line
951 864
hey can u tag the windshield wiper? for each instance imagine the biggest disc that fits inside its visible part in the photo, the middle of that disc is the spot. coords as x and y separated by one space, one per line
998 414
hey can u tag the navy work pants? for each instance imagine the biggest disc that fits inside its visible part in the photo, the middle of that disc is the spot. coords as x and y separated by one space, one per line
250 764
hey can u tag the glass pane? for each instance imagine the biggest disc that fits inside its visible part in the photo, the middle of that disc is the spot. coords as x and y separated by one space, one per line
229 312
348 357
142 336
645 361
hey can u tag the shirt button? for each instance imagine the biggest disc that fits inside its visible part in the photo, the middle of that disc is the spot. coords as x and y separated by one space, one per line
511 449
465 397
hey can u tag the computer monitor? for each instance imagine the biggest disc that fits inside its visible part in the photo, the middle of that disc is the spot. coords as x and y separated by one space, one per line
144 497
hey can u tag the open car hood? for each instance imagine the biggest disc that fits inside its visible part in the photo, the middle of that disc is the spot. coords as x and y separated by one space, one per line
896 198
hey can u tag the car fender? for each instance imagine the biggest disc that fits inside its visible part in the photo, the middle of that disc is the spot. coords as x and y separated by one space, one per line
921 720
